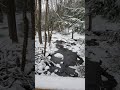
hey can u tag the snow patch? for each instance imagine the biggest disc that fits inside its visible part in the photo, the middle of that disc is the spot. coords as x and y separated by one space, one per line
59 55
58 65
59 83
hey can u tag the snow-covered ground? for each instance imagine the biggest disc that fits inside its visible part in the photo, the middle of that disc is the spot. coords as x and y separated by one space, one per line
11 77
108 52
68 43
79 47
52 80
59 83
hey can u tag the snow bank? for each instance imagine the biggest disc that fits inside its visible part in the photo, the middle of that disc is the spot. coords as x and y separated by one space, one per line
59 83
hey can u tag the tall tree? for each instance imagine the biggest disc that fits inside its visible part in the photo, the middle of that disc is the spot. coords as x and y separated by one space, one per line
26 30
38 15
90 20
1 14
46 26
32 5
12 20
39 21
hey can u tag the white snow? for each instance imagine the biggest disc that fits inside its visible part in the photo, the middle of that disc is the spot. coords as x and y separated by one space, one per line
59 55
61 62
75 45
59 83
51 80
58 65
56 70
79 46
47 67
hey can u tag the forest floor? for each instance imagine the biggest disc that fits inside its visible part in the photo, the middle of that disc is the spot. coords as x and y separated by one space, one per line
105 47
64 62
11 77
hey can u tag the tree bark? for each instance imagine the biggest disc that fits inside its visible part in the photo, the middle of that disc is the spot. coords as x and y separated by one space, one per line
12 21
50 38
46 27
33 19
26 30
39 22
1 15
90 20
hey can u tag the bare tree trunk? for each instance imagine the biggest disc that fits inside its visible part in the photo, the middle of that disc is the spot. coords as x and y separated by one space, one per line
12 21
51 34
1 15
46 27
33 18
25 42
48 34
90 21
39 22
36 18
